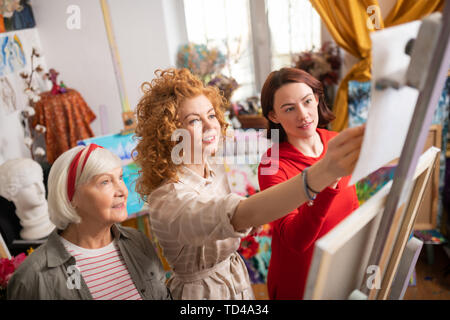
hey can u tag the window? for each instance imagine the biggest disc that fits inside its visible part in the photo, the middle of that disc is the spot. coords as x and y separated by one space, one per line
294 27
225 24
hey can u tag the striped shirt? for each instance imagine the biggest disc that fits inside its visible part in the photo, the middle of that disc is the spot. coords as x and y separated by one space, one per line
191 219
104 272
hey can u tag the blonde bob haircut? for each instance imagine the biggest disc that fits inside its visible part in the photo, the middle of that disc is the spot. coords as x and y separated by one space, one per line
157 119
61 211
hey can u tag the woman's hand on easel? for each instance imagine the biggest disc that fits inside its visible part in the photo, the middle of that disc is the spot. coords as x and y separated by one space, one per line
340 159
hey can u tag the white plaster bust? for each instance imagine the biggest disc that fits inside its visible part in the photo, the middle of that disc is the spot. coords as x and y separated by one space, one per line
21 181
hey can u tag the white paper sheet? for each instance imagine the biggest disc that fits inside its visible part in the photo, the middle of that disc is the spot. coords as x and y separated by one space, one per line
390 110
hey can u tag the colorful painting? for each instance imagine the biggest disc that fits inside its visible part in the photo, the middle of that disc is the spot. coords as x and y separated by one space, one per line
255 249
358 102
430 236
441 116
446 196
134 201
368 186
7 95
243 179
12 56
17 16
122 146
2 24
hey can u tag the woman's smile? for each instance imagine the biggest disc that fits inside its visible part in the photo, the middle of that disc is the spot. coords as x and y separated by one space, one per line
209 139
119 206
306 125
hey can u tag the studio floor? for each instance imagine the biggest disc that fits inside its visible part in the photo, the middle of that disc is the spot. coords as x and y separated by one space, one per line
432 281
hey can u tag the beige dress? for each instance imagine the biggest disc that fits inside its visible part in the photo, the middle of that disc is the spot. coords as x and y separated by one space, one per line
191 220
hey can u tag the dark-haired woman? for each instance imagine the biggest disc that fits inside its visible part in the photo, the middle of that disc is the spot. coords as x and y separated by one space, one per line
293 102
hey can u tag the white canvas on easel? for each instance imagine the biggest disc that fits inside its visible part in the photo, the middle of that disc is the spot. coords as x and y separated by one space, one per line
390 110
340 257
336 265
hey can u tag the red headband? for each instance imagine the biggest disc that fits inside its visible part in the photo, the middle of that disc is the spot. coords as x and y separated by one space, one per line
72 174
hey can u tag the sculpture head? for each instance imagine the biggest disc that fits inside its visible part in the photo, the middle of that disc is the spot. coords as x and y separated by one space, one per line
21 181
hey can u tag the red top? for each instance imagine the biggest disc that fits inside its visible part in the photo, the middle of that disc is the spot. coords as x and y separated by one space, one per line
294 234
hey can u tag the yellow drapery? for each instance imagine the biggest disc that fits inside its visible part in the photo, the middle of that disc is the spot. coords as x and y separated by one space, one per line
407 10
350 23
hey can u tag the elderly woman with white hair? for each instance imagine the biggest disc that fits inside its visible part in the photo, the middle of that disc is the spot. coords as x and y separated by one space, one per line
90 255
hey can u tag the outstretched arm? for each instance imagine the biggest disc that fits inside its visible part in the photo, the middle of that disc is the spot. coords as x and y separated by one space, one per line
278 200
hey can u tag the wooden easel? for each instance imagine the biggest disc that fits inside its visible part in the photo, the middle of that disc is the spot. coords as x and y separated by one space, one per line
343 257
128 118
389 242
340 257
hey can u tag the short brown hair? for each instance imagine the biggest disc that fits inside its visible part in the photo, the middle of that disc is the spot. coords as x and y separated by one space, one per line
279 78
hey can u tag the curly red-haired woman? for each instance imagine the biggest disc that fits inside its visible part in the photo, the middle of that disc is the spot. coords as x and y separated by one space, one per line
197 220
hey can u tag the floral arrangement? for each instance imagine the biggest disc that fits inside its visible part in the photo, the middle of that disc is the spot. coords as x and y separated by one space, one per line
249 247
207 64
200 60
7 268
225 84
323 64
256 252
32 92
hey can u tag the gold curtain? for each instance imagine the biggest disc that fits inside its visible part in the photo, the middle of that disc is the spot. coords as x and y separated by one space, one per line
407 10
349 23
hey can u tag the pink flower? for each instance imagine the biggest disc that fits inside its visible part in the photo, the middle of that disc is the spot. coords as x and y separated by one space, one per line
8 266
266 230
250 190
17 260
6 269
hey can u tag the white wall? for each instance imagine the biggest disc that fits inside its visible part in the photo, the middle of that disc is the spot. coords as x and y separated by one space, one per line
81 56
175 22
147 33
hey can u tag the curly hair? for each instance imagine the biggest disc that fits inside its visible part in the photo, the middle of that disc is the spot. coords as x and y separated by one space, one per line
157 119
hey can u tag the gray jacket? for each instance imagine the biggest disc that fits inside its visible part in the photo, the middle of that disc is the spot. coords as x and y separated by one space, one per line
47 273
